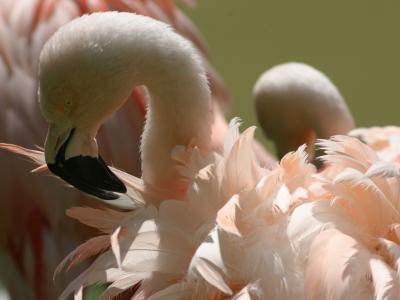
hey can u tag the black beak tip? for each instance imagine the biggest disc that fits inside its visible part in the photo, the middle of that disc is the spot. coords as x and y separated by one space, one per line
90 175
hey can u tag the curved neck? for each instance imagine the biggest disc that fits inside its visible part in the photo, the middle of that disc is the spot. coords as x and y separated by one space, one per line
147 52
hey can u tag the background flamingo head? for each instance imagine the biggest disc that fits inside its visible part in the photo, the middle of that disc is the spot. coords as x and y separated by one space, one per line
295 104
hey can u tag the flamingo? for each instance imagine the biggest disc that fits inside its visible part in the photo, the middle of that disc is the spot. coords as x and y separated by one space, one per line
35 234
295 104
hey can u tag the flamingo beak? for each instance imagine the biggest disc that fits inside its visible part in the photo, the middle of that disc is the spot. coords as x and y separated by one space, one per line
88 174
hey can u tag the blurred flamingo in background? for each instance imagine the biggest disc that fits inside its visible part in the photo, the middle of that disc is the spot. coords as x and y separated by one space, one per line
295 104
34 233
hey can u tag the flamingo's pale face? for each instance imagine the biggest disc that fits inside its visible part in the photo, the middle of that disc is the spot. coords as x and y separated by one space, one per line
73 101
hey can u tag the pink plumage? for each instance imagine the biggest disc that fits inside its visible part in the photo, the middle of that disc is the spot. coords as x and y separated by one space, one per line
236 229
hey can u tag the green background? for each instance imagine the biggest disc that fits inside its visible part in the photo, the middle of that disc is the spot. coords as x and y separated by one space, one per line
356 43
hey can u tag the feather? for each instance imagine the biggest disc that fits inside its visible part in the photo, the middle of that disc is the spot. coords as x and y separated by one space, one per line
295 170
35 156
89 248
115 246
121 284
106 220
384 169
337 268
241 170
79 294
376 137
227 216
390 251
309 220
212 274
158 282
385 281
249 292
174 291
135 188
283 199
231 135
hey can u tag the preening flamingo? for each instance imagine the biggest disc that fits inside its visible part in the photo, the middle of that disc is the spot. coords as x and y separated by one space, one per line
160 237
234 230
35 234
75 108
295 104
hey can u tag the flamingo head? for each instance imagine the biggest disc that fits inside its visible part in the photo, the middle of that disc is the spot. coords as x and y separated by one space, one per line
296 104
75 93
